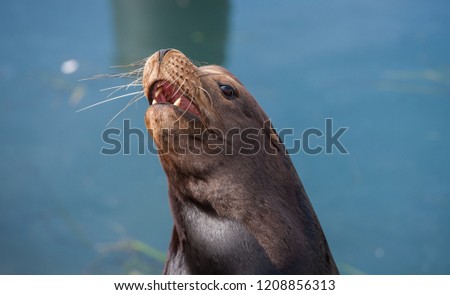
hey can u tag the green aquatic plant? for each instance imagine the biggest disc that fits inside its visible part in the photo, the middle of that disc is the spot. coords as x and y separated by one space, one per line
127 256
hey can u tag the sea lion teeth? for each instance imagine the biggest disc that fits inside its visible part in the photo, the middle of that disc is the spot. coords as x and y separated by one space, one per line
154 101
177 102
158 91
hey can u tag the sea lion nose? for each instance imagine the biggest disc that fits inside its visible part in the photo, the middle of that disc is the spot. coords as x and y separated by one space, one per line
163 52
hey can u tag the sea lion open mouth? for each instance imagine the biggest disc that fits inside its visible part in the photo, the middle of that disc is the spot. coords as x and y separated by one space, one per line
167 92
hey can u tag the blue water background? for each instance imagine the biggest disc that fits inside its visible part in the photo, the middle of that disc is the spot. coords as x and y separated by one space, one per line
380 68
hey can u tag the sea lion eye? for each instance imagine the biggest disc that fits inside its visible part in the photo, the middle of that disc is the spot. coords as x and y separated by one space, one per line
228 91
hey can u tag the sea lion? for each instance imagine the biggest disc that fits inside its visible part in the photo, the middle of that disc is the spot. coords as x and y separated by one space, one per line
237 202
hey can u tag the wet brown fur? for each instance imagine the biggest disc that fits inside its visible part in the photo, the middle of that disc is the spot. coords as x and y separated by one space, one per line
246 214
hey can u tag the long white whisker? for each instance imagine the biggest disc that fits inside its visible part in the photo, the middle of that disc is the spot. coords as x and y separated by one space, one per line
116 75
118 89
190 103
101 76
107 100
173 95
134 64
132 101
174 79
136 82
126 86
129 74
185 111
120 86
207 93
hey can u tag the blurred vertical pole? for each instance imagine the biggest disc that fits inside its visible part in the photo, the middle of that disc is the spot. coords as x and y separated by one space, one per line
199 28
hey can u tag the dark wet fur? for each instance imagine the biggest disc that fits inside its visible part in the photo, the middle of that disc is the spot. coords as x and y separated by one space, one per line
233 214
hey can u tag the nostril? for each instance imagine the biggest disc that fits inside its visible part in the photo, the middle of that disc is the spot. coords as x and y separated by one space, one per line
163 52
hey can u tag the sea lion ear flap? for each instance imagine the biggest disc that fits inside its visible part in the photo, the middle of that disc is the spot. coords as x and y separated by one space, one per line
275 143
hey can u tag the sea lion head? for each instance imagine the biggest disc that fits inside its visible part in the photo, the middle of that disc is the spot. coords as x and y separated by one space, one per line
197 110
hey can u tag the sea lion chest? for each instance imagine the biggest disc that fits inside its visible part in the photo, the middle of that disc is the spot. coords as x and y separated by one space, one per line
216 245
